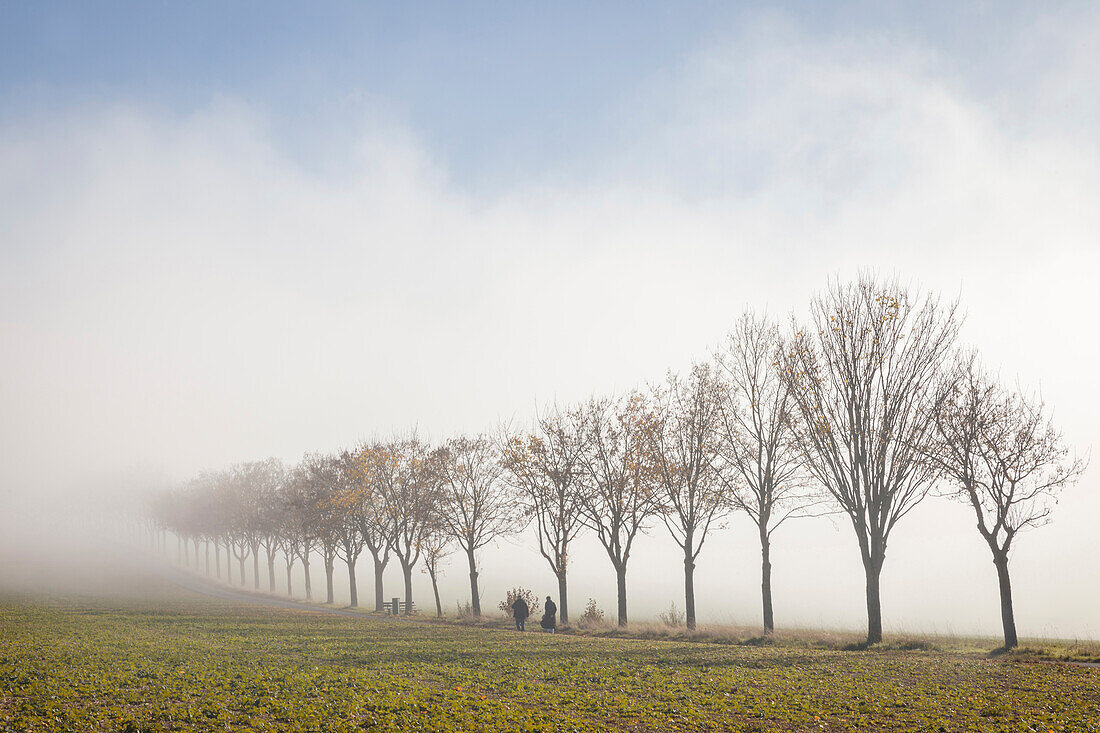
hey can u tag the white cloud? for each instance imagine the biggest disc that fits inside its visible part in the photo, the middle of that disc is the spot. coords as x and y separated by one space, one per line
178 292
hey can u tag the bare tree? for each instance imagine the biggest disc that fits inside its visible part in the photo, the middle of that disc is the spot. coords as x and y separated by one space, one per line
620 496
405 473
371 510
239 546
546 466
227 513
242 525
302 508
327 514
437 546
475 506
213 523
187 510
758 449
1004 457
269 521
256 482
862 376
345 518
684 430
289 533
210 524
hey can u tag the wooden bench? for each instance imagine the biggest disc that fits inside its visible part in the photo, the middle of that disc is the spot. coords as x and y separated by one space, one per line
396 607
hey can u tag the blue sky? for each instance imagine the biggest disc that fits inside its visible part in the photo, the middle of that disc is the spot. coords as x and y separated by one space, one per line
494 89
470 78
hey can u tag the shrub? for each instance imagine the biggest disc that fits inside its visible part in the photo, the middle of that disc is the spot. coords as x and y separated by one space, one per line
465 610
592 614
673 617
532 601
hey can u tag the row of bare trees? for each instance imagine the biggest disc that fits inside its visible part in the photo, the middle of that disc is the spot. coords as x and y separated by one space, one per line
864 410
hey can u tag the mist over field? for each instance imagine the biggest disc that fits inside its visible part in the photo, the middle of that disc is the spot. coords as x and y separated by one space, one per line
208 264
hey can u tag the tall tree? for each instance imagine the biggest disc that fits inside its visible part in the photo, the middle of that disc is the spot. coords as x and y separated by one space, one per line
350 540
758 448
371 510
684 429
862 377
289 533
255 482
227 512
437 546
269 519
327 513
546 466
621 496
407 477
241 526
1002 454
475 506
303 508
209 526
214 517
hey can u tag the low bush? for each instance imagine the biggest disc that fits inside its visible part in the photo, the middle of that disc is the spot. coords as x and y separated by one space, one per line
592 615
673 617
515 593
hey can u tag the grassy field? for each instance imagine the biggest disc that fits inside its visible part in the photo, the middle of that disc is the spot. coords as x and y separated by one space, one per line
177 662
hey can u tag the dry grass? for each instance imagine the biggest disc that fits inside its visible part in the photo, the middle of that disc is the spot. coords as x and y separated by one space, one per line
1030 649
1036 649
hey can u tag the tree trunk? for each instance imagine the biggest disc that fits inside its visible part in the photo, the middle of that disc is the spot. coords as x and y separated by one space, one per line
309 586
289 587
228 563
475 600
408 571
243 557
563 598
328 580
179 550
256 567
766 580
270 571
206 546
196 541
351 580
218 558
379 602
873 570
689 589
435 590
1008 620
620 583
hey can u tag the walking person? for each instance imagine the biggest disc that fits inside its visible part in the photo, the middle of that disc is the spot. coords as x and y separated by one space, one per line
520 612
550 617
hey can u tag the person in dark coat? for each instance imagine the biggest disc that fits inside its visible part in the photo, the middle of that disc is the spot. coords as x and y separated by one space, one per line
520 612
550 617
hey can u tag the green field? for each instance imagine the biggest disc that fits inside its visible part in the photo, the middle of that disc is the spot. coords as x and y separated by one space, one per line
172 661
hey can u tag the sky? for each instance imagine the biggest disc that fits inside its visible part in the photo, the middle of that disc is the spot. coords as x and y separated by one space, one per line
229 232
